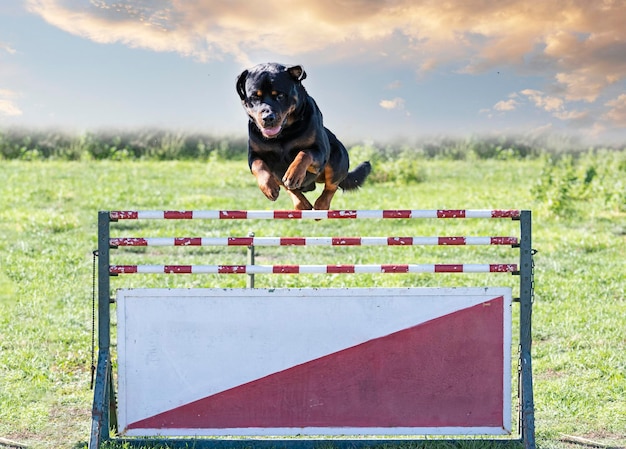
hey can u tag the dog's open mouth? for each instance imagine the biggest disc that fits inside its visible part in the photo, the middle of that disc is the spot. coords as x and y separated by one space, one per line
271 132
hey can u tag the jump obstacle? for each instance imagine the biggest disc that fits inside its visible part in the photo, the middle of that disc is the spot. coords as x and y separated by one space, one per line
305 367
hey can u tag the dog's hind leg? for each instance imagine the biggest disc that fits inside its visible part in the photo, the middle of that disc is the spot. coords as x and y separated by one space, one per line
323 202
299 200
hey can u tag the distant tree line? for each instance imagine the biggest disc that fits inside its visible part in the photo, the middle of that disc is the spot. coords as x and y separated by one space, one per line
117 145
159 144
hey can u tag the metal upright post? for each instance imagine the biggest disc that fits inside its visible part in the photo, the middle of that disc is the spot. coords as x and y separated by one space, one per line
104 319
527 413
251 261
103 385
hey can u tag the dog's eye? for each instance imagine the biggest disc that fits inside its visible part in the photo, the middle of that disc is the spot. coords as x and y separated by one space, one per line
278 95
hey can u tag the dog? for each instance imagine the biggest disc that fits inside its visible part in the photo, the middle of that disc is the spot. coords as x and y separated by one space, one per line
288 144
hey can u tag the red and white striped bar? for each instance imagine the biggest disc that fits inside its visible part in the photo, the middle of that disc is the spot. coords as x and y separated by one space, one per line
311 269
311 214
310 241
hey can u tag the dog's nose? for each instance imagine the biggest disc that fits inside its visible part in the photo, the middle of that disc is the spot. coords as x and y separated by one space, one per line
268 117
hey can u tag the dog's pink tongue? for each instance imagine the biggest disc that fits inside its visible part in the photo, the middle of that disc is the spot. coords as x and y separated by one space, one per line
271 131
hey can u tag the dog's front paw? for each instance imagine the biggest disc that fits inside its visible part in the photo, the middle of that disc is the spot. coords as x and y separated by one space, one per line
296 172
293 179
270 188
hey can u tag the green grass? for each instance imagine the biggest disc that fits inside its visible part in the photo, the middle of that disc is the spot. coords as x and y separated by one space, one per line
48 218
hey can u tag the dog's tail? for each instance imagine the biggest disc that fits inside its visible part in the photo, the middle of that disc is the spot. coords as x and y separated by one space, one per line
356 177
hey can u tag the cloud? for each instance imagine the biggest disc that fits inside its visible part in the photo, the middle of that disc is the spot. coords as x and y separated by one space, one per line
394 85
574 115
6 47
543 129
617 114
555 106
506 105
590 59
396 103
542 101
578 45
7 106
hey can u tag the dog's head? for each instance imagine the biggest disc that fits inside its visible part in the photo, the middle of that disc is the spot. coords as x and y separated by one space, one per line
271 93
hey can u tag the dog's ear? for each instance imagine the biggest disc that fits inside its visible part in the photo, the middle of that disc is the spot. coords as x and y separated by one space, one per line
241 84
297 72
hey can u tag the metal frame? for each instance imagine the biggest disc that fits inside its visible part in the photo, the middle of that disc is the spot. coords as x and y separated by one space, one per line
104 413
526 406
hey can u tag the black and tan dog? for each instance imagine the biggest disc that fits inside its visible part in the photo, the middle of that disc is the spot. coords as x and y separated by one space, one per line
288 144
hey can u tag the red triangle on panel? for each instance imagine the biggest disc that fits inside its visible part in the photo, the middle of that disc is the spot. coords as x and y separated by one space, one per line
446 372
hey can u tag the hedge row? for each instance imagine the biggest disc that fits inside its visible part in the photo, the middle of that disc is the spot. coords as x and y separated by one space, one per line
153 144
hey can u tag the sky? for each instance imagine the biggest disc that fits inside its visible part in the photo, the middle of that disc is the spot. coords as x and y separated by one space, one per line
378 69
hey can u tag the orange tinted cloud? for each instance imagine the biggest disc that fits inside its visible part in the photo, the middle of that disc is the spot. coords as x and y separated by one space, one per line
506 105
7 104
542 101
617 113
395 103
578 45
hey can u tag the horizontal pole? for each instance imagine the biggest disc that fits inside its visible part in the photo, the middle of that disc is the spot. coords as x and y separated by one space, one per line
307 443
310 241
312 269
311 214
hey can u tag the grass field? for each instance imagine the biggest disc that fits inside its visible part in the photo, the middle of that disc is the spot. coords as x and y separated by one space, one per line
48 216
